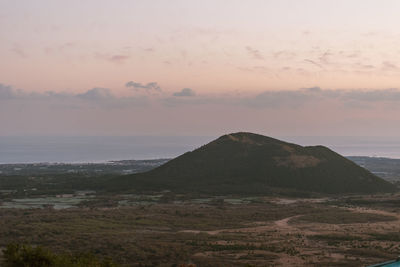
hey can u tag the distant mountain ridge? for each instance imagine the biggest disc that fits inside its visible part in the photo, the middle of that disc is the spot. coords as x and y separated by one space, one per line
247 163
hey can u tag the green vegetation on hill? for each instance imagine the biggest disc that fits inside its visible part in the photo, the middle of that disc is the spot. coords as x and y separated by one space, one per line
246 163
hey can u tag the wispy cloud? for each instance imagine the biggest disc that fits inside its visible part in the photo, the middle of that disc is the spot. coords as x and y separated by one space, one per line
18 50
324 58
151 86
254 53
149 49
119 58
314 63
284 54
387 65
114 58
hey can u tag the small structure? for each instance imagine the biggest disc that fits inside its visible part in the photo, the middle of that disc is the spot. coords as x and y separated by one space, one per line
395 263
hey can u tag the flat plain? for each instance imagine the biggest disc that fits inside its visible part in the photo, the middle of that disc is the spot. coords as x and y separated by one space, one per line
174 230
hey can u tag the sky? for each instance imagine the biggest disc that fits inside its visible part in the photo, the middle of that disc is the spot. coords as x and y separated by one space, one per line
280 68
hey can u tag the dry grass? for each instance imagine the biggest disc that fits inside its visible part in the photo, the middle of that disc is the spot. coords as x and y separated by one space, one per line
262 234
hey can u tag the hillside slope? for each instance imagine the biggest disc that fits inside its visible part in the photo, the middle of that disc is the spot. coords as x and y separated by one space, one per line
250 163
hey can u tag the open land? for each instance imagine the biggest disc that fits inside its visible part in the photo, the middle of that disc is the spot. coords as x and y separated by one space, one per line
262 231
67 213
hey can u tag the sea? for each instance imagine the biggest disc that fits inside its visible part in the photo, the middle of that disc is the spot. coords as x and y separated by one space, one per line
97 149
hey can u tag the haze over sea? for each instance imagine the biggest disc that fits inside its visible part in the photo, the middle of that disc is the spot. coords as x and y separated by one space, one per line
76 149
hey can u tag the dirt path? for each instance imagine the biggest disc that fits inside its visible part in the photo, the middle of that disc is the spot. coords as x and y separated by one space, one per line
232 230
282 224
379 212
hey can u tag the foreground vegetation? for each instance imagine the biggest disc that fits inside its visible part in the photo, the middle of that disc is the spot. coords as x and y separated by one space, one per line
16 255
265 231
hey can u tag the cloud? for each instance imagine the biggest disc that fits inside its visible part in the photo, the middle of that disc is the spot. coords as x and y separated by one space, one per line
364 66
383 95
324 58
272 99
149 49
256 54
292 99
95 97
96 94
314 89
295 98
18 50
276 99
118 58
314 63
185 92
151 86
174 101
6 92
386 65
284 54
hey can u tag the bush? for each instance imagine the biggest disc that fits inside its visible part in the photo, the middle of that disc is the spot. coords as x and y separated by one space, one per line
16 255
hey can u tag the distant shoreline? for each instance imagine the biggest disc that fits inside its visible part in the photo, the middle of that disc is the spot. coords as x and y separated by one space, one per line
128 161
101 150
105 162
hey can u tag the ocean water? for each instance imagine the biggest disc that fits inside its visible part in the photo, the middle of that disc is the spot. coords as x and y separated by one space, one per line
77 149
388 147
101 149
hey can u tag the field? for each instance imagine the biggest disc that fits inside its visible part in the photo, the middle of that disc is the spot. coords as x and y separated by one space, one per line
72 213
170 230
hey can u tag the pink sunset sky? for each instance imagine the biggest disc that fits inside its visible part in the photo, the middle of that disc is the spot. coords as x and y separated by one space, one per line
283 67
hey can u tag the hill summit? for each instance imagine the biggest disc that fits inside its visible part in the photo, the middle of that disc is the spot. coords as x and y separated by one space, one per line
247 163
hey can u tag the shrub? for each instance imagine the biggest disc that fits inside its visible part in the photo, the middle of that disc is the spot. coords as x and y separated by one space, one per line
17 255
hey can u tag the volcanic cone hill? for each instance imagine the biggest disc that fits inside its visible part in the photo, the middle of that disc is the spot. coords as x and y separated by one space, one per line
247 163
